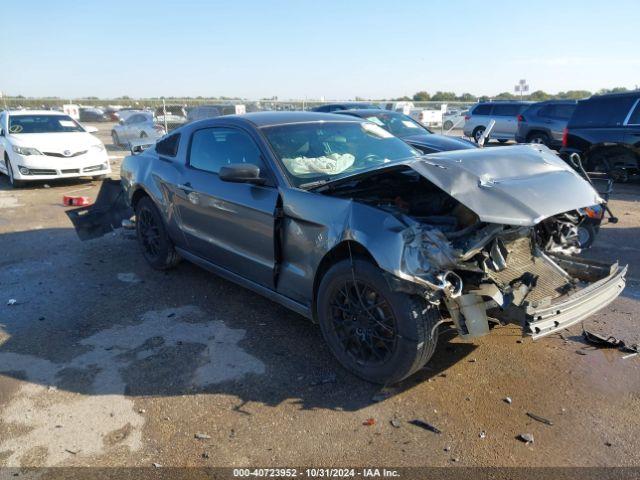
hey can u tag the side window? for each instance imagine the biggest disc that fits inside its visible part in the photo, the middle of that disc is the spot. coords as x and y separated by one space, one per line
482 109
168 146
564 112
213 148
506 110
634 118
603 112
546 111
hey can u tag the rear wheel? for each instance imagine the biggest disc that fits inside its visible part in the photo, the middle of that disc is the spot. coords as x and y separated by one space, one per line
378 334
503 141
477 133
448 124
157 247
115 139
143 134
539 138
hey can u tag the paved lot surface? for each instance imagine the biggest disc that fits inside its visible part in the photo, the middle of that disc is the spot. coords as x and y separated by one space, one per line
106 362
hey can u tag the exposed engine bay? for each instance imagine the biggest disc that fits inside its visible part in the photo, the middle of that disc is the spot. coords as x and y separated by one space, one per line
478 271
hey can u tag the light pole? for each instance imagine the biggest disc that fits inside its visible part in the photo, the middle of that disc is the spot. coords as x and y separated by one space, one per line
521 87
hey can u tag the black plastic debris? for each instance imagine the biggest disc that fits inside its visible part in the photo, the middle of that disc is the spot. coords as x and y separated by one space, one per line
526 438
425 425
540 419
105 215
601 341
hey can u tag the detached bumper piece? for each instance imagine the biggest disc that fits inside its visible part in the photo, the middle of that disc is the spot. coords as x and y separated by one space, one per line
572 309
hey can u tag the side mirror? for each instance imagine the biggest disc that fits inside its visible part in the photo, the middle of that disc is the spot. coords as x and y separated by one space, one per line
241 173
90 129
121 122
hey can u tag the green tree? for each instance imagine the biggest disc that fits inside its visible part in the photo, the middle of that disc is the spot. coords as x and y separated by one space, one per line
540 96
467 97
603 91
444 97
421 96
505 96
574 94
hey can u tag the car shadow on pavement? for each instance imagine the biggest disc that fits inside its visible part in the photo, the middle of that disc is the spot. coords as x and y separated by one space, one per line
92 318
5 186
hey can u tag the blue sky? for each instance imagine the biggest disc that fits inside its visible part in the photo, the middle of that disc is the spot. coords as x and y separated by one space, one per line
298 49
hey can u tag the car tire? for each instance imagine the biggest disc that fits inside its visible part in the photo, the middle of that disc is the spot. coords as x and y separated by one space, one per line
14 183
586 234
503 140
115 139
388 335
99 177
157 247
538 138
143 134
477 133
448 124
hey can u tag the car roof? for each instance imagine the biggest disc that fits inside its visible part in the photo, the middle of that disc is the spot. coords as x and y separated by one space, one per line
502 102
34 112
634 93
567 101
265 119
367 112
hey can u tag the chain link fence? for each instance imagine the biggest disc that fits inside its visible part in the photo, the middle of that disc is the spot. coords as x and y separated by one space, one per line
171 112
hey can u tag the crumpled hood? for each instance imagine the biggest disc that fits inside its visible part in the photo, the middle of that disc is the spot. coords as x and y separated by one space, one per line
56 142
520 185
440 143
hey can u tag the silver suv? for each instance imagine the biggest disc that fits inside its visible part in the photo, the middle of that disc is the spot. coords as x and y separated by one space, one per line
504 113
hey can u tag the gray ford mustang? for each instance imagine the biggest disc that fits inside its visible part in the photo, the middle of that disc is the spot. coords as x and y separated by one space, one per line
337 219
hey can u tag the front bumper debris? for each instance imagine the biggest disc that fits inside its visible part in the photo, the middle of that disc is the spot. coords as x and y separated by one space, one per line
567 311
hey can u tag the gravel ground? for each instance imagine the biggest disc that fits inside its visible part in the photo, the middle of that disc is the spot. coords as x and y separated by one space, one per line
106 362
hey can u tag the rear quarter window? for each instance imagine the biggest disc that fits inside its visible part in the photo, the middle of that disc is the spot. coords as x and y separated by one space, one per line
168 146
483 109
634 118
602 112
506 110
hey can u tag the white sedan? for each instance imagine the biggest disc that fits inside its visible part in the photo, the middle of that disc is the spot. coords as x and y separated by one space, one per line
43 145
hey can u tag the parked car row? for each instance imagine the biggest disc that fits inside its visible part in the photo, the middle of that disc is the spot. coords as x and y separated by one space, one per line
603 129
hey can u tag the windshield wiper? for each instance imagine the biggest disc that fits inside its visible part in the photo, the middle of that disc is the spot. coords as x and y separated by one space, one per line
314 184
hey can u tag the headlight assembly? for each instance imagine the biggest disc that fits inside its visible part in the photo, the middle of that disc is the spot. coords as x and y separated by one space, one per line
26 150
97 147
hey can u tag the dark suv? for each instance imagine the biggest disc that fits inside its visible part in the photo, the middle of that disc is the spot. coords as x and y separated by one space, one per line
605 131
545 122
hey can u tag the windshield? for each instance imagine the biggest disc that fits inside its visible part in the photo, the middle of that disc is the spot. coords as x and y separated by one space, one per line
43 124
398 124
314 152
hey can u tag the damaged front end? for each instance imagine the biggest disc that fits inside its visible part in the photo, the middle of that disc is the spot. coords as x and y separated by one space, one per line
503 273
491 235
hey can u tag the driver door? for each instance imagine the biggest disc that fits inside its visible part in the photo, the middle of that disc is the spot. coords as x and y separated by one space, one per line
229 224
